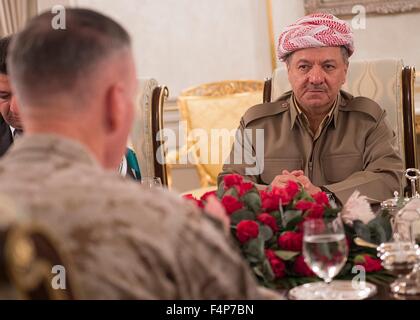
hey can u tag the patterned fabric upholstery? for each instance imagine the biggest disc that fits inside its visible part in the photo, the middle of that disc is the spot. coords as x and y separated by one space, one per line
213 106
141 137
379 80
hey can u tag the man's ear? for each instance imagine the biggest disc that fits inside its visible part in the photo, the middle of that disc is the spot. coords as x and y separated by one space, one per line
114 108
346 67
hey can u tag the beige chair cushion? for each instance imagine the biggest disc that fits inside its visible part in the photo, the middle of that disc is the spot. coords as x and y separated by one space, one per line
207 113
379 80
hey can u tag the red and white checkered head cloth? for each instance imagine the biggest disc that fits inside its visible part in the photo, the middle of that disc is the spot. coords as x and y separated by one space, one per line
315 30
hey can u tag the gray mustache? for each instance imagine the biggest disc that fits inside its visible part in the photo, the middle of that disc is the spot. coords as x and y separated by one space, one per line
316 88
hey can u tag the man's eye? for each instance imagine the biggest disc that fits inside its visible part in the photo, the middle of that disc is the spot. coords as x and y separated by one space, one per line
4 96
303 67
329 67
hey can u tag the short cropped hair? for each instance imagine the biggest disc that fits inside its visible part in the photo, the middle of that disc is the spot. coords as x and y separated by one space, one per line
4 47
44 60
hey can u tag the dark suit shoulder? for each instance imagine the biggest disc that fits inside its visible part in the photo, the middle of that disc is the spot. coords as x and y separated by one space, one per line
361 104
266 109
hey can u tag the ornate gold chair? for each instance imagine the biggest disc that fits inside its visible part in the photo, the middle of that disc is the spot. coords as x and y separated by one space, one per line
146 137
388 82
27 257
215 106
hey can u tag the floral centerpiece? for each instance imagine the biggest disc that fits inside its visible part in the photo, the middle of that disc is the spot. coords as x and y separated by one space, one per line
268 227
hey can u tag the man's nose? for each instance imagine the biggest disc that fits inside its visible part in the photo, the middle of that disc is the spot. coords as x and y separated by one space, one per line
316 75
13 105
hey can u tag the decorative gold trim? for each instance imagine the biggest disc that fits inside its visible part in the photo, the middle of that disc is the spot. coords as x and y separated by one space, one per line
222 88
164 94
417 82
269 7
413 114
27 271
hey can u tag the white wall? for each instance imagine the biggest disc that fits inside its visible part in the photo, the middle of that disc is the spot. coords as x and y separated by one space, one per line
183 43
187 42
44 5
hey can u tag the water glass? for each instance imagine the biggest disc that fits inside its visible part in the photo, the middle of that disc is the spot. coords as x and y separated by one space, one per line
151 182
324 247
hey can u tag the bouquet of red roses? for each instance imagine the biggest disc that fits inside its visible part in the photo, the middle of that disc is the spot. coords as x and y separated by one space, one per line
268 227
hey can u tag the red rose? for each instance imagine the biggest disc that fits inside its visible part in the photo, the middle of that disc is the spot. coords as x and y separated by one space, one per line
208 194
291 241
283 195
301 268
190 197
321 198
370 264
231 204
304 205
247 230
277 265
268 201
268 220
316 212
243 188
231 180
292 188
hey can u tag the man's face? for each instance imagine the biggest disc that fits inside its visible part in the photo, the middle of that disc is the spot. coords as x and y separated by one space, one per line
316 76
8 106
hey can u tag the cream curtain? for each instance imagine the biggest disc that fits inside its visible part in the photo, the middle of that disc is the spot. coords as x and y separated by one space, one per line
14 14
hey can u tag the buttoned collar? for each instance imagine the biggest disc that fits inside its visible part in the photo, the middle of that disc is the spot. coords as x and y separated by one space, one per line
296 112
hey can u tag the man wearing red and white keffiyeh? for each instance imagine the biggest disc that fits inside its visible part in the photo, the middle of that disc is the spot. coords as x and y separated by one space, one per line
317 134
314 31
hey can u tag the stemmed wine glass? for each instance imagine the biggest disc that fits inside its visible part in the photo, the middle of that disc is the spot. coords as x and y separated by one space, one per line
325 252
324 247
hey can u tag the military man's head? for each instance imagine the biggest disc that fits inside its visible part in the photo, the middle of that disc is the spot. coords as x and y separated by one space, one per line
316 50
79 81
8 107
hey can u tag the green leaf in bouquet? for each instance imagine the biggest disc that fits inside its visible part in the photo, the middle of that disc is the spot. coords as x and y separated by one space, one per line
277 215
287 255
254 250
377 233
252 201
257 270
232 192
362 230
240 215
266 232
267 271
302 195
292 218
330 213
221 190
381 229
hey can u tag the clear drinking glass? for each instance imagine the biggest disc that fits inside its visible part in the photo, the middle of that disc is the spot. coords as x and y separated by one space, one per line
325 252
324 247
151 182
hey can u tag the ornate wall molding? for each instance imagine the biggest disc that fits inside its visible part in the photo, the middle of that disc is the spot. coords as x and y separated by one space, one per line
344 7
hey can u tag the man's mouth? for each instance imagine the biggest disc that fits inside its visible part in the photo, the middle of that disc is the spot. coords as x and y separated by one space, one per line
316 90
